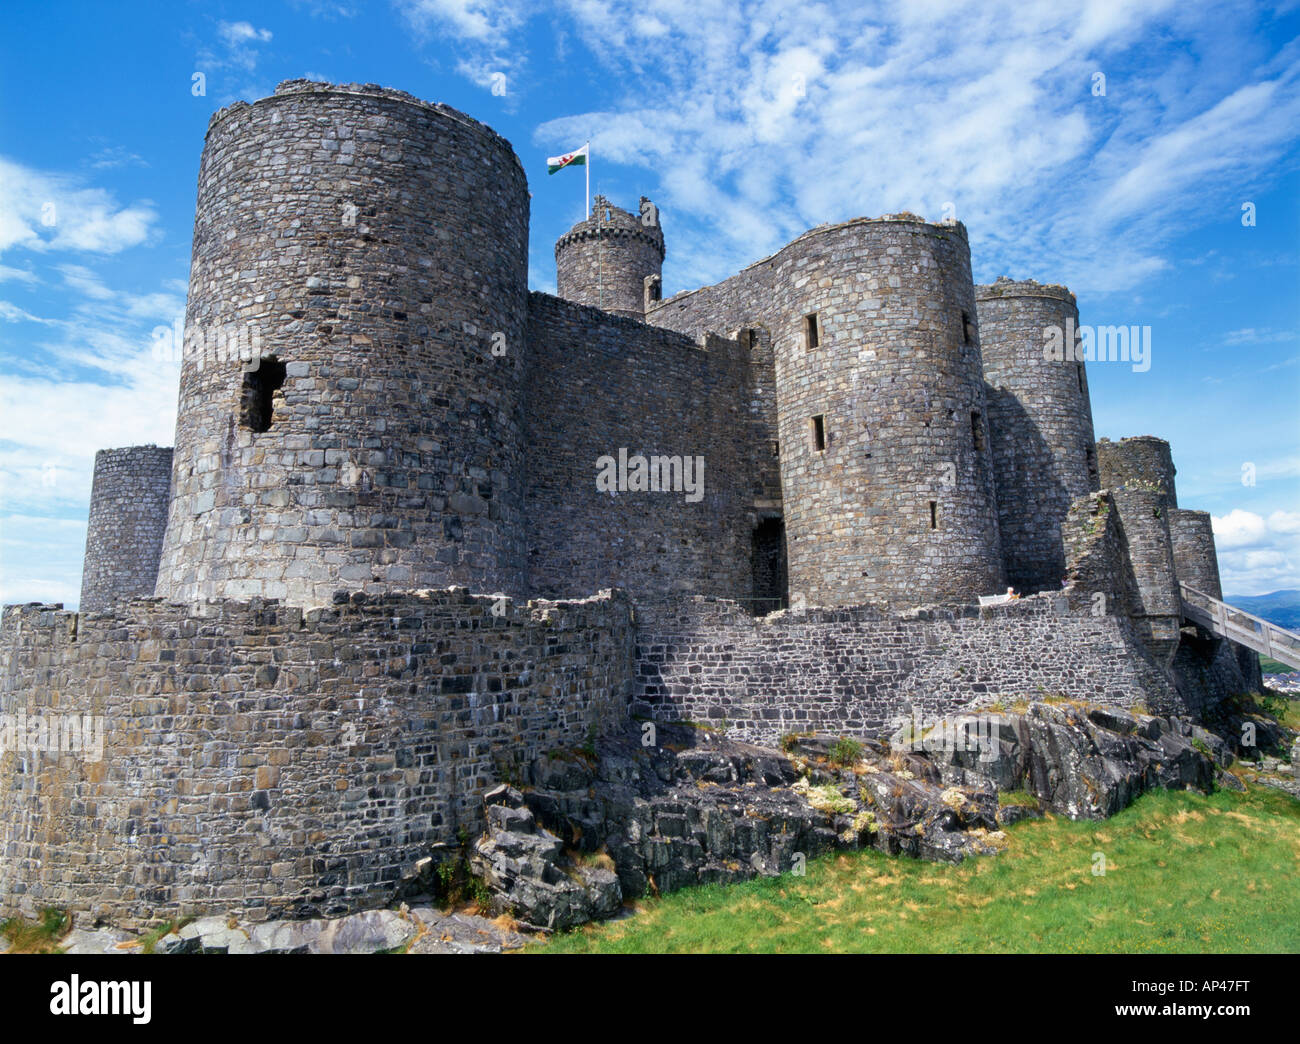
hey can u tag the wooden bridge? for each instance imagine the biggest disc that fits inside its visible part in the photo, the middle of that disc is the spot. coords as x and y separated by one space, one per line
1222 619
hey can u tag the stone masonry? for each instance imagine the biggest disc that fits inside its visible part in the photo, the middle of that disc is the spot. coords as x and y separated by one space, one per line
128 514
385 444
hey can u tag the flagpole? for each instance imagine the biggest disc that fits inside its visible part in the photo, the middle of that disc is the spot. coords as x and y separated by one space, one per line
586 206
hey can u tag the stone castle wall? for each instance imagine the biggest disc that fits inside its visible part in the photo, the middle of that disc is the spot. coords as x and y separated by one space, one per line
855 670
129 498
1040 424
897 381
371 248
605 260
741 307
598 384
263 760
1139 472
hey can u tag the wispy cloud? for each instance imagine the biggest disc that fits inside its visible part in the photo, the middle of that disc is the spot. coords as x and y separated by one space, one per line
241 40
764 118
42 210
1258 554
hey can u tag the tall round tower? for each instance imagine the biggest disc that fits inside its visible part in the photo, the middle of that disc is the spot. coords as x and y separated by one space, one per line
884 445
1040 422
613 260
124 535
350 407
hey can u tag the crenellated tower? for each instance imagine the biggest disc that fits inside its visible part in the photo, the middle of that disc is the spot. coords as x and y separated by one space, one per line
612 260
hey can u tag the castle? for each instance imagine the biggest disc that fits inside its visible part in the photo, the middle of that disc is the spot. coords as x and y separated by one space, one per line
308 626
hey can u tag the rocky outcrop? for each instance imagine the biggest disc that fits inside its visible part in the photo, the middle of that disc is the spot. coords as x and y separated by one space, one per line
675 806
420 929
696 809
526 867
1085 763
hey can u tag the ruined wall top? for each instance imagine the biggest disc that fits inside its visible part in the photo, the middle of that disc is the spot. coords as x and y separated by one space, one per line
606 220
1005 287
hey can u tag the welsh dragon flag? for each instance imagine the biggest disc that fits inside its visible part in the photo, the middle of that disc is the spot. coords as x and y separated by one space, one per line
569 159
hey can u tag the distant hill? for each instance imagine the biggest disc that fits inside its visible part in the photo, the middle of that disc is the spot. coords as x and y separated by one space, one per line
1280 607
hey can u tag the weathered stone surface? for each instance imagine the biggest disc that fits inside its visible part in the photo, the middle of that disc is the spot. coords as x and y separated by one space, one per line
263 762
1040 424
1086 764
607 259
371 249
81 941
128 514
852 670
697 808
525 866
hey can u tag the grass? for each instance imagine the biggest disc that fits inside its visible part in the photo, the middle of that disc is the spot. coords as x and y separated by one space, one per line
40 936
1185 872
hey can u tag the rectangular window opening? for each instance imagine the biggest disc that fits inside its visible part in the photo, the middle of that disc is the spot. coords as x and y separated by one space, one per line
259 390
965 328
811 338
934 514
819 432
977 431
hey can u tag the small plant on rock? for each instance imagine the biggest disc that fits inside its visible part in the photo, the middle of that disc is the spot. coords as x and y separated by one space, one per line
844 751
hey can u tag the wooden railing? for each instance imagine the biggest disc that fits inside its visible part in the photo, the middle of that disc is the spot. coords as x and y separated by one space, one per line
1254 633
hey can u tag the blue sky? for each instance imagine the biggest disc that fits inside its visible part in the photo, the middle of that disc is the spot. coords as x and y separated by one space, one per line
747 123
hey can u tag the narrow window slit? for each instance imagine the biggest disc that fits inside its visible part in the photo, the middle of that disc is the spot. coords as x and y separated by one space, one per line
260 386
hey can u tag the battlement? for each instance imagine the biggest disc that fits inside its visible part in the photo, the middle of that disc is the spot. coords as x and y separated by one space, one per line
610 222
612 259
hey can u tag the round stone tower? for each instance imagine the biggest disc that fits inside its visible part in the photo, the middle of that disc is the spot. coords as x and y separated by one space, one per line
1139 472
1040 421
1140 462
613 260
1195 558
884 446
350 407
128 514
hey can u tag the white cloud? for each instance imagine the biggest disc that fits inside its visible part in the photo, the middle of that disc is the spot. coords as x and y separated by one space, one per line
236 34
116 156
482 21
761 119
43 211
20 275
83 280
484 32
1258 555
1238 528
